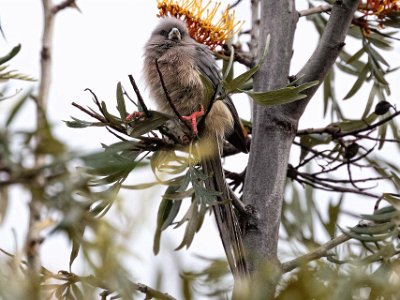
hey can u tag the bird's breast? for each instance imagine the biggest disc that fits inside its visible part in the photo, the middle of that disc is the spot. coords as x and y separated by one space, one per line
182 81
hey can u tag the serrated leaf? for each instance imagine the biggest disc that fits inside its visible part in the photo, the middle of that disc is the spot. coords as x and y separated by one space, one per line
281 96
121 102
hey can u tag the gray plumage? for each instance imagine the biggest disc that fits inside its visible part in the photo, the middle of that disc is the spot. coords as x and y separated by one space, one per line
182 62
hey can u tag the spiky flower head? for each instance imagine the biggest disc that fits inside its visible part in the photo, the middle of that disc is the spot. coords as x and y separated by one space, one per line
377 11
201 20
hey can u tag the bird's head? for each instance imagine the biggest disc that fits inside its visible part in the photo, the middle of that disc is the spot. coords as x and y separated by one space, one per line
170 31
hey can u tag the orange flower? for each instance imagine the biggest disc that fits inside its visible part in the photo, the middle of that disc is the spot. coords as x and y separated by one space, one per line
200 20
376 11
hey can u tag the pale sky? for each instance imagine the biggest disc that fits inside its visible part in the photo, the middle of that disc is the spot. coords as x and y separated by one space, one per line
96 49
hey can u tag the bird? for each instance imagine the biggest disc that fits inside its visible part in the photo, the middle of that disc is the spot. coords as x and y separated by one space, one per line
175 67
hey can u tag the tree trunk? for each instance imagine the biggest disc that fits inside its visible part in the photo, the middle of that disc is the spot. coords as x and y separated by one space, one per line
274 128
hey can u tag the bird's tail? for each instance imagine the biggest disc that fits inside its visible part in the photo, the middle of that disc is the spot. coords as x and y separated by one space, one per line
225 216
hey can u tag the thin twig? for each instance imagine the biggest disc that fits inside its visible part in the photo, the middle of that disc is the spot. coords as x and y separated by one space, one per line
93 115
315 10
63 5
168 96
235 4
336 133
91 280
332 188
321 251
139 96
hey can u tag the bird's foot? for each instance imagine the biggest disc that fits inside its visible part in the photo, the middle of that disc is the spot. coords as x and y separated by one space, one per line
193 119
135 114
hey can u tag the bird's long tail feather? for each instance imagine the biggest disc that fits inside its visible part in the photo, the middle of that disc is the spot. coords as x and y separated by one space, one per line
225 216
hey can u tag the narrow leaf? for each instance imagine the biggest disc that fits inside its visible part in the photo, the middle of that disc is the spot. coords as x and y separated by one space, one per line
121 102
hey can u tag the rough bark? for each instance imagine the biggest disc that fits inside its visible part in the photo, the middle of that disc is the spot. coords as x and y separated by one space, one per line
273 133
274 127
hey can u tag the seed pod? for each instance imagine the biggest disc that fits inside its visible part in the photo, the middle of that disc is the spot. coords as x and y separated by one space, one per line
382 107
351 150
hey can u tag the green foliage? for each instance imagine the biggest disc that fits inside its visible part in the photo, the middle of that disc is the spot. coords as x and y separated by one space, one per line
77 199
11 74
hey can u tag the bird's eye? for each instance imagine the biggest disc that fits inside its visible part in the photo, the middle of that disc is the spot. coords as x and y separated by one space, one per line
164 33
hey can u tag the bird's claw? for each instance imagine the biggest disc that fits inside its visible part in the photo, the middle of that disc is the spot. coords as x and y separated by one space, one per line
135 114
193 119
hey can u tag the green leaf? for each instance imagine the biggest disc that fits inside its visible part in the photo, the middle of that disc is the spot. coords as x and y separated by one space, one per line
167 211
76 123
75 238
227 66
311 140
17 107
374 229
356 56
370 101
367 238
376 55
352 125
359 82
208 89
121 102
382 217
393 200
281 96
77 292
194 218
382 130
236 84
178 195
14 51
334 212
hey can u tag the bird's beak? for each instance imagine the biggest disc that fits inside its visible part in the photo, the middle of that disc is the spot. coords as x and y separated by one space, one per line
174 34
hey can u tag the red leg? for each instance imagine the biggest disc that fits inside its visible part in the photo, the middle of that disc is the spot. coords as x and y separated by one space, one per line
193 119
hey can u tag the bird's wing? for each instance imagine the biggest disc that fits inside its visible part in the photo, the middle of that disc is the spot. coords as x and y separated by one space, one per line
206 64
208 67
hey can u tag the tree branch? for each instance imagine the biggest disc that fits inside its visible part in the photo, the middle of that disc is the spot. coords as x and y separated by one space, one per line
64 4
315 10
331 43
93 281
321 251
336 133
